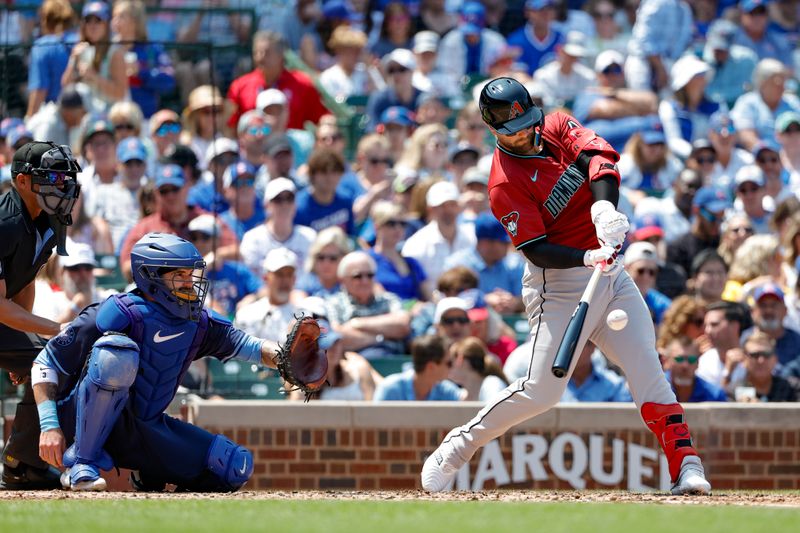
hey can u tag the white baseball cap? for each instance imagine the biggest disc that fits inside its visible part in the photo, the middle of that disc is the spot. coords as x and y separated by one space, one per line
79 254
749 173
574 45
205 224
402 56
685 69
426 41
441 192
448 304
277 186
221 145
271 97
279 258
640 251
606 58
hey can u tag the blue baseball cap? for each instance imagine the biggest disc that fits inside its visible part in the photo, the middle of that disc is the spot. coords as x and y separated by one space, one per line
97 9
473 18
747 6
647 226
539 4
488 227
170 175
238 170
654 136
711 199
765 144
131 149
8 124
768 289
339 10
397 115
18 134
720 121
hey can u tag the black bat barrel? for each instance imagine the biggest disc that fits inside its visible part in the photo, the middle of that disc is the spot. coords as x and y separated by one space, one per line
566 350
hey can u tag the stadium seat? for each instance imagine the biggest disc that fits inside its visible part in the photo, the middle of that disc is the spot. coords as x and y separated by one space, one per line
391 365
238 380
519 323
111 277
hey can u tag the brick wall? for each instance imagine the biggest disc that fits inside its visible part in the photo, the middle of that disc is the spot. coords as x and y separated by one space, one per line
338 445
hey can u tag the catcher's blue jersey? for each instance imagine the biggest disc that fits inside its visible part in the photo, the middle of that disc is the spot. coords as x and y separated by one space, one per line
168 345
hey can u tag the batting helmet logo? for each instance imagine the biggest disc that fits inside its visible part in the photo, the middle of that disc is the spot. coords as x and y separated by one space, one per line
515 110
510 222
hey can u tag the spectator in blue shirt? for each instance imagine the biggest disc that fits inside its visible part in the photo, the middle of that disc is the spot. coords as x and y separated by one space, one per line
679 360
641 262
537 39
321 205
398 67
755 34
732 64
754 112
427 380
590 382
50 54
230 281
246 210
499 272
768 314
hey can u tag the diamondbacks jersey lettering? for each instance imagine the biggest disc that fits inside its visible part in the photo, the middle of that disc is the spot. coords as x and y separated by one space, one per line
551 182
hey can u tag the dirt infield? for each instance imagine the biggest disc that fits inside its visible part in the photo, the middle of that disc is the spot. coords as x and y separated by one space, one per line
740 498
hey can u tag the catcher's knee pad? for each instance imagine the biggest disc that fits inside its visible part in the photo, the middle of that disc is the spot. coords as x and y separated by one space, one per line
230 463
114 362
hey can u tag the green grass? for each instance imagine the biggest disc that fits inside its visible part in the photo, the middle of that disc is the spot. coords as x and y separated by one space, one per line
220 515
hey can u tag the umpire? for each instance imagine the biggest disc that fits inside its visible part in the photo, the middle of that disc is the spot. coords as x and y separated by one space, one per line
33 219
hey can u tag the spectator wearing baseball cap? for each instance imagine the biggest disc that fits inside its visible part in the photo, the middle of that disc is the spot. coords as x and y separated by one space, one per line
253 131
172 215
728 158
767 156
562 80
733 63
642 263
165 130
205 193
443 236
499 272
670 279
754 112
230 281
768 313
428 77
246 209
466 50
99 148
750 197
708 209
398 67
279 230
755 34
271 316
6 125
348 76
646 165
78 283
451 319
540 16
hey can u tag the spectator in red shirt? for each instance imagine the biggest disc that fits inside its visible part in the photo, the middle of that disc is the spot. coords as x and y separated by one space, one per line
172 214
305 103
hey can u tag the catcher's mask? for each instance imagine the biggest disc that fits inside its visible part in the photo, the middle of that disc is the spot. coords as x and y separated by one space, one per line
172 272
53 170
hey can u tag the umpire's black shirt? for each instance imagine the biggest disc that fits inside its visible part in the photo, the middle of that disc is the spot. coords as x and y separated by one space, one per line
25 244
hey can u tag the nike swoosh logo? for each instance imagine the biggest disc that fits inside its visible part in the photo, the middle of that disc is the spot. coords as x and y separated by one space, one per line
244 467
157 338
535 176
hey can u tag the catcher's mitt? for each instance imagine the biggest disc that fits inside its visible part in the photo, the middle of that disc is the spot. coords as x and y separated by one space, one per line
299 360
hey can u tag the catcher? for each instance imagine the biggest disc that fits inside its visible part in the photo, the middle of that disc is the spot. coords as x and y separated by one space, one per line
103 383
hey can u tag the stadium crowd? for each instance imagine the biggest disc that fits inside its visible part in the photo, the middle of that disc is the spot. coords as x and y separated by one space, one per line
329 157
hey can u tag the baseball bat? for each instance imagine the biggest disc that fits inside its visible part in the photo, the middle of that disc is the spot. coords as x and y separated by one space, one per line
566 350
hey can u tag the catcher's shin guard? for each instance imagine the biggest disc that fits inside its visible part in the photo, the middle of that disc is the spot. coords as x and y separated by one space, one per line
667 422
102 394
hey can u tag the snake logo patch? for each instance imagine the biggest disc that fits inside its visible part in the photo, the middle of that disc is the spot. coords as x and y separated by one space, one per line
510 222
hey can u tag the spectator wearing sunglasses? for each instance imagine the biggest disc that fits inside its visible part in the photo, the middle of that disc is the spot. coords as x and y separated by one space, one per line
398 67
641 262
238 187
165 130
759 382
708 209
674 210
768 315
451 319
728 158
767 156
750 198
275 105
756 34
736 228
371 322
252 131
77 283
427 381
680 359
374 163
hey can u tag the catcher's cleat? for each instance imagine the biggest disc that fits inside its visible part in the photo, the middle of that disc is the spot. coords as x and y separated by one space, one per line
83 477
692 478
440 468
26 477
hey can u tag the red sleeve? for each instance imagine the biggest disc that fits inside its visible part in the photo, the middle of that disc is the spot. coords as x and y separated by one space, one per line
517 213
314 107
233 97
567 133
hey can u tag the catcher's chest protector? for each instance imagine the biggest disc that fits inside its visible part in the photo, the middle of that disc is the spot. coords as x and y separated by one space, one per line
168 346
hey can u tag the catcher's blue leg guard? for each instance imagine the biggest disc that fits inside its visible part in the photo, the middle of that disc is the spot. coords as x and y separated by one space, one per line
230 463
101 396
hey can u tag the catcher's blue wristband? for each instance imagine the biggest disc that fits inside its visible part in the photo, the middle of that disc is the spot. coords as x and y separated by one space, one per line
48 415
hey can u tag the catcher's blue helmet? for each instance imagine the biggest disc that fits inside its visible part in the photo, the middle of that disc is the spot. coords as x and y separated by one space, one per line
154 260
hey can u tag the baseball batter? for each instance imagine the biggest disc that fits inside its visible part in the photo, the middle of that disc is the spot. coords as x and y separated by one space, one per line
554 186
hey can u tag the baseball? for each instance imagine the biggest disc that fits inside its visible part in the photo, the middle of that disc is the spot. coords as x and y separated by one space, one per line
617 319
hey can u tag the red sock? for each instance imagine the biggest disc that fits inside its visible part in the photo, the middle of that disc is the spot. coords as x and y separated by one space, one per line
667 422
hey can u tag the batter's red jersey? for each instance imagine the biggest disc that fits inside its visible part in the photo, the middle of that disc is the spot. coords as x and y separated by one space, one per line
545 195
